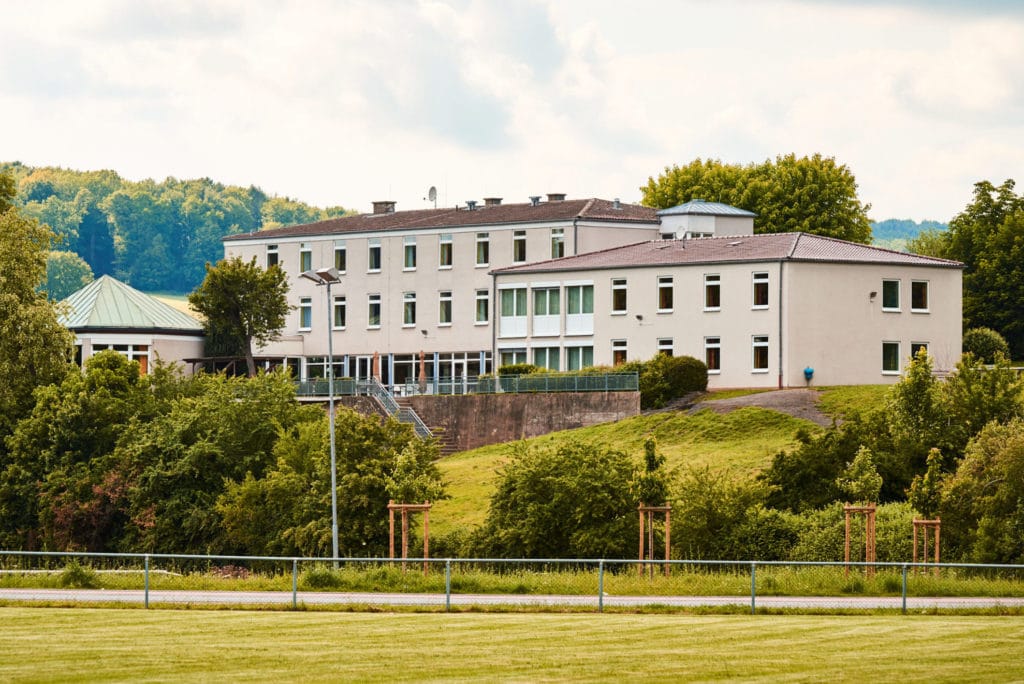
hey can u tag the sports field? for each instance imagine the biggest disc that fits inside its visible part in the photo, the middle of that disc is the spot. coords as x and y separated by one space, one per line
79 644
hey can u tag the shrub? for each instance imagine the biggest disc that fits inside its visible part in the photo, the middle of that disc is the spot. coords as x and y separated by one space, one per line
520 369
320 577
78 575
665 378
985 344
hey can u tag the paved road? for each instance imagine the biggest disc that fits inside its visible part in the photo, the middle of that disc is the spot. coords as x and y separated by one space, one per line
284 598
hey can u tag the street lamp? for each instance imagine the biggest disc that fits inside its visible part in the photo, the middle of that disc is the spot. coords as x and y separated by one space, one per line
328 277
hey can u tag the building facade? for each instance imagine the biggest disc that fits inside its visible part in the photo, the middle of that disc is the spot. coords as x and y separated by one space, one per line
760 310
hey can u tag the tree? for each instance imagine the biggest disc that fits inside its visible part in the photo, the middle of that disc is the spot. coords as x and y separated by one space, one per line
808 194
66 272
860 480
242 303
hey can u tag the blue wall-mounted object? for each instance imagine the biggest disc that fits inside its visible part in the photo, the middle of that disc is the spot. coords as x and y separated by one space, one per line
808 373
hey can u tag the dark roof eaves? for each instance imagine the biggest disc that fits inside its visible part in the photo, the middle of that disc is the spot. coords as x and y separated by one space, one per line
123 330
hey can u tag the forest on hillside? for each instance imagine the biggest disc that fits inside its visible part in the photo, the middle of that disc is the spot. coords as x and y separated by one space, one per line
155 236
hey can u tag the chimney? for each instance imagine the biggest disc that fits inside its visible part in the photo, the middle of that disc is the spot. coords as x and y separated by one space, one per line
534 200
556 197
492 201
471 204
616 204
384 207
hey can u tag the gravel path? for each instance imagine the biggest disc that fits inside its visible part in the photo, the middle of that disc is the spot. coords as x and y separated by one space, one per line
800 403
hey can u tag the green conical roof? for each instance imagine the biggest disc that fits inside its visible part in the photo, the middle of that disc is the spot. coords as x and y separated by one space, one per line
107 303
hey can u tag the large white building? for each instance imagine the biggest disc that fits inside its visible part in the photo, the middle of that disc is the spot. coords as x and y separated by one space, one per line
453 293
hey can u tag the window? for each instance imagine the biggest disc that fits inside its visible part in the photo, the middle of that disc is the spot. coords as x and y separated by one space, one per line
667 236
444 258
272 256
665 293
919 295
760 290
339 313
305 258
760 353
890 358
665 346
579 299
916 347
409 264
546 311
513 312
373 258
713 354
483 307
340 260
712 292
557 243
511 357
618 295
546 357
305 313
373 311
134 352
577 358
519 246
483 249
408 309
618 352
444 312
890 295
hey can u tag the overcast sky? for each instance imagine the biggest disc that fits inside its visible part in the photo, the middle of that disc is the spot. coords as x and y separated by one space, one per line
346 102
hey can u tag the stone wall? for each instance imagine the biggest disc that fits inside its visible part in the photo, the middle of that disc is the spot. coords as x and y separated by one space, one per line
475 420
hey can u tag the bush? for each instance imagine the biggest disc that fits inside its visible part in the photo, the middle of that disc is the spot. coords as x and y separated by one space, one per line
79 576
320 577
521 369
665 378
985 344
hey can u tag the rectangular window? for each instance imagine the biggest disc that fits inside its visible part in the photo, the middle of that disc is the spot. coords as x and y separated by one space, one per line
444 312
340 256
665 346
513 312
665 293
511 357
305 258
305 313
483 306
760 290
578 358
272 255
579 299
760 353
618 352
444 259
519 247
373 257
919 296
557 243
545 301
483 249
618 295
546 357
917 347
890 358
409 309
339 313
409 264
890 295
713 354
712 292
373 311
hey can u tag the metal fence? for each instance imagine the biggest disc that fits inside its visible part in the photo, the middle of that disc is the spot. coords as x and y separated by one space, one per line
484 384
154 580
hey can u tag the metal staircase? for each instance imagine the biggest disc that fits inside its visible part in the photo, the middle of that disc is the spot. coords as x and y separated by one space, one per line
404 414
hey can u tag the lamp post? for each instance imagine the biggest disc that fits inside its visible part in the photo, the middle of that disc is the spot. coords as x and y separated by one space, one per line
328 277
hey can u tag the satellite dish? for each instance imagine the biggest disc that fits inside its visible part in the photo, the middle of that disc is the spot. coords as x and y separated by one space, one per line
432 195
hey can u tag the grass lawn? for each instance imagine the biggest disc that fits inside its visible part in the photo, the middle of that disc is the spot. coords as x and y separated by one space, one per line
43 644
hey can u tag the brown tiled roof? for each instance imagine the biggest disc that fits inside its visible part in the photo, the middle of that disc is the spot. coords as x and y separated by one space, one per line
766 247
566 210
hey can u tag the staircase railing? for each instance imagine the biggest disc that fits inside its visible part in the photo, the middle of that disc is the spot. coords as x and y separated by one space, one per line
374 389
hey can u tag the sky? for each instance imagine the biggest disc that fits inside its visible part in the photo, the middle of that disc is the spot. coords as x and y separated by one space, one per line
348 102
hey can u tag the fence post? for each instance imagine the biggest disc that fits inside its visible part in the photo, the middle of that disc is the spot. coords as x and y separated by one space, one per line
600 586
753 587
448 585
145 593
295 583
903 591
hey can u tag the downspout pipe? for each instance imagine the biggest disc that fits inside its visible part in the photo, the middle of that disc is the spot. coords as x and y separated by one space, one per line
782 264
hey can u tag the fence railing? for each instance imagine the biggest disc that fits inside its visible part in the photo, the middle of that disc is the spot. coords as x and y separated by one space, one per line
447 583
484 384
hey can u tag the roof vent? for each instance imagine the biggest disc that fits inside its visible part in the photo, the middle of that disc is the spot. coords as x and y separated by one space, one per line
492 201
471 204
616 204
556 197
384 207
534 200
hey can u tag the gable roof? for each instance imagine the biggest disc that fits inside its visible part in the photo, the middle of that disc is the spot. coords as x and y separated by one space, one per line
108 304
592 209
718 250
701 208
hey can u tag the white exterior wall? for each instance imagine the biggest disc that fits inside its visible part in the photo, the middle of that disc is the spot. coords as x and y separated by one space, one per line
168 348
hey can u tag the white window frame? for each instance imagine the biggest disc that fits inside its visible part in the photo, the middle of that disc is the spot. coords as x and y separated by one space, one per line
666 283
305 257
485 297
713 343
483 249
757 343
515 323
409 253
620 285
547 310
547 352
712 282
305 314
445 241
576 355
760 278
620 346
374 300
339 304
927 296
445 297
557 243
273 252
898 357
666 344
408 307
373 246
340 264
518 243
898 285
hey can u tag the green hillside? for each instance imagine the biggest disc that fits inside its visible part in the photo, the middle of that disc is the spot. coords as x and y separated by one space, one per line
741 441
